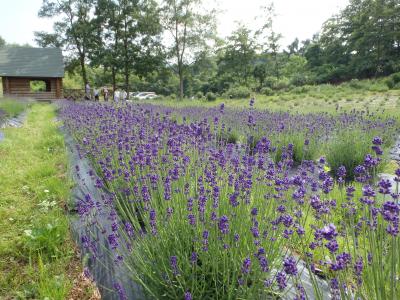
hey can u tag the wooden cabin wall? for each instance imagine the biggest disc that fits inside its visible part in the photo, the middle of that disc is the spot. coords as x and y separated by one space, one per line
20 87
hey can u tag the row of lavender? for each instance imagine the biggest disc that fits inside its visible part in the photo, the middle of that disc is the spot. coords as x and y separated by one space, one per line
312 135
205 219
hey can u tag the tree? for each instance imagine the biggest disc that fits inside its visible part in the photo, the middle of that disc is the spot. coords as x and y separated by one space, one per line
2 42
272 38
239 55
190 31
73 31
293 48
260 73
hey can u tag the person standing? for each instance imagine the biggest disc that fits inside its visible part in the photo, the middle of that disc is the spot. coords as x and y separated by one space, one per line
105 92
87 91
124 95
116 95
96 94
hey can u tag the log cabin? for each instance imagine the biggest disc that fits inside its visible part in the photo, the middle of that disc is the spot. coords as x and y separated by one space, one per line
32 72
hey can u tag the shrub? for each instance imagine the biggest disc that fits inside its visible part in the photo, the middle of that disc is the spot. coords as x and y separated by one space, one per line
390 83
238 92
356 84
227 137
396 77
211 96
348 149
299 80
199 95
172 96
301 89
267 91
282 84
376 87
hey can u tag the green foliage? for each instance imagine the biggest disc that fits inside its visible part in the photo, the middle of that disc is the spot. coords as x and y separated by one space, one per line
38 86
12 107
47 236
238 92
36 249
378 87
267 91
210 96
348 149
199 95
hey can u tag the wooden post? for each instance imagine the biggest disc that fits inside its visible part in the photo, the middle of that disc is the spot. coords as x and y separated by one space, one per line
6 86
58 88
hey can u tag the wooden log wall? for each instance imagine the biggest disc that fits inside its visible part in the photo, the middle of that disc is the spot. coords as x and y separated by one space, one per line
20 87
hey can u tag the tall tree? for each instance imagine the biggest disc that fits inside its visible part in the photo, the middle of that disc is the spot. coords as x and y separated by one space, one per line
129 40
74 29
2 42
190 29
272 38
239 55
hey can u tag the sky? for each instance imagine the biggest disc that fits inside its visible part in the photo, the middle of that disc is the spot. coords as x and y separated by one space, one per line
295 18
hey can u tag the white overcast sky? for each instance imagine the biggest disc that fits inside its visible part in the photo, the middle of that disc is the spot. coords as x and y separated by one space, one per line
295 18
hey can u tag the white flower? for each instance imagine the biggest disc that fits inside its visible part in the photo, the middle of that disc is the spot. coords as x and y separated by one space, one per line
46 191
28 232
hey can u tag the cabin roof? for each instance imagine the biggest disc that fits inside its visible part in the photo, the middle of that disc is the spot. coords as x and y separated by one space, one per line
31 62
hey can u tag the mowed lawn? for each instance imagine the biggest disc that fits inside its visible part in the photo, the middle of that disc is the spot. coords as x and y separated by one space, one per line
37 256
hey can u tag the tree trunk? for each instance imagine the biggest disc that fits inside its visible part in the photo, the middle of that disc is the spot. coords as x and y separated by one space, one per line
83 69
180 73
127 82
113 80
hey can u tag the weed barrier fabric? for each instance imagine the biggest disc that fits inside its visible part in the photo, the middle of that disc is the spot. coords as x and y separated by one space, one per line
17 121
103 269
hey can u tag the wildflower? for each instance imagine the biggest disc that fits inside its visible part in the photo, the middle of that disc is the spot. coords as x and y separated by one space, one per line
290 265
281 280
377 141
120 291
246 265
223 224
329 232
113 240
342 260
173 263
188 295
193 258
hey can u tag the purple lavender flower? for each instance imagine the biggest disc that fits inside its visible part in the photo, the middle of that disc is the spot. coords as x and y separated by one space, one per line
377 141
173 261
290 265
223 224
188 295
120 291
341 171
329 232
246 266
193 258
281 280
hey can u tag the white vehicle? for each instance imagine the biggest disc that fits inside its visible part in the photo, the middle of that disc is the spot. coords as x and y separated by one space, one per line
144 95
150 96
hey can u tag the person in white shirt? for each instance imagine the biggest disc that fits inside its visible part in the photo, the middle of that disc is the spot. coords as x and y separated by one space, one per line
87 91
117 94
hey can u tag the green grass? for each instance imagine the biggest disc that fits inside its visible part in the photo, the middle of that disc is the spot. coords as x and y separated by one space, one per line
37 255
12 107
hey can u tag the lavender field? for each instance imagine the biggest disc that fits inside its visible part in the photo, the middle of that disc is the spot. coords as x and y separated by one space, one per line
218 203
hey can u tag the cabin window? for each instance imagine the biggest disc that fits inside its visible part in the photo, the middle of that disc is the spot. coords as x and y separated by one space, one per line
40 86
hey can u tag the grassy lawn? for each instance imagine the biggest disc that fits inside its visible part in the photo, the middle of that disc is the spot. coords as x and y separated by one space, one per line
37 256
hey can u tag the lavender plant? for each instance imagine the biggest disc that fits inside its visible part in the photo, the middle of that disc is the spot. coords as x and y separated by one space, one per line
199 216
